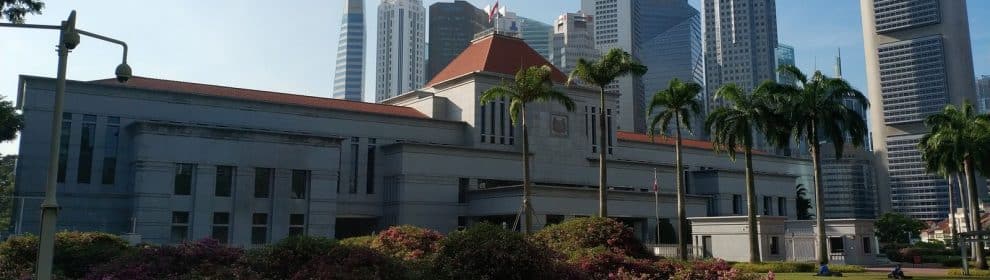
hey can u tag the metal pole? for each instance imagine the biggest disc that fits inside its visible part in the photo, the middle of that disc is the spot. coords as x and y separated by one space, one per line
965 263
49 207
656 203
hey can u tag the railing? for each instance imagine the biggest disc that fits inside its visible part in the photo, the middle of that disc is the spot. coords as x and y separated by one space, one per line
668 250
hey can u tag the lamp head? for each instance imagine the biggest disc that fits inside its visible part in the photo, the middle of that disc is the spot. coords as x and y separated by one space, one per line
123 72
69 35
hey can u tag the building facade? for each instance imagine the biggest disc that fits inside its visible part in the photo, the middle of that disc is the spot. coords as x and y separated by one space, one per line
173 161
983 94
401 64
573 39
616 23
452 27
536 34
785 56
348 77
918 60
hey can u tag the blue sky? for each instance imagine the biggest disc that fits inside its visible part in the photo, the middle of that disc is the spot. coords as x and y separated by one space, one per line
291 48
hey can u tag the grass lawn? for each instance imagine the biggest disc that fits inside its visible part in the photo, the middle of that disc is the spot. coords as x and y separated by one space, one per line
865 275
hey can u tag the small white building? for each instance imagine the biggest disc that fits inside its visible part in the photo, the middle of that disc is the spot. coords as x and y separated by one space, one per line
850 241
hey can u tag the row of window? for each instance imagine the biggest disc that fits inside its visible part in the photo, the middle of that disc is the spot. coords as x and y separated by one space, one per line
225 180
220 229
738 202
87 143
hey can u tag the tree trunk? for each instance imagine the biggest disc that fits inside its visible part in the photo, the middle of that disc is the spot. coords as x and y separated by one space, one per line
527 208
681 218
754 245
974 213
964 195
819 195
602 149
952 216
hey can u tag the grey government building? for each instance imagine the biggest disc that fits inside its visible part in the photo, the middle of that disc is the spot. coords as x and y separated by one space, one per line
173 161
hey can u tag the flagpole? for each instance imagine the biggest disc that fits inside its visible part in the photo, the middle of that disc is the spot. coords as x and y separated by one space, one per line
656 203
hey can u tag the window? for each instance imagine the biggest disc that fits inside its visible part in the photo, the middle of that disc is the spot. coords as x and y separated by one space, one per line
111 140
225 180
354 165
835 245
767 203
221 226
259 228
736 204
370 178
180 226
262 182
867 249
782 206
300 183
86 143
184 178
774 245
297 224
63 145
462 189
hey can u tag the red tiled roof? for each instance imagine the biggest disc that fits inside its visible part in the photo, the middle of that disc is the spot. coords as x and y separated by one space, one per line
667 141
495 54
266 96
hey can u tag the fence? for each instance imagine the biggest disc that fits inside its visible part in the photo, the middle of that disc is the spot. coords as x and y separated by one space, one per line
668 250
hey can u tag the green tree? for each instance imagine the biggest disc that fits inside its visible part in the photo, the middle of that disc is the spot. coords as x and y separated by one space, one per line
10 121
897 228
940 159
677 103
803 203
813 110
614 64
960 134
6 189
732 129
532 84
14 10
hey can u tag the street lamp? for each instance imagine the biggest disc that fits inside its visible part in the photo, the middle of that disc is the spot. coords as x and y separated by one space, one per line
68 40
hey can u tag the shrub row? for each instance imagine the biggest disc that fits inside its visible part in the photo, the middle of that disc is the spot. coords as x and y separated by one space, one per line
790 267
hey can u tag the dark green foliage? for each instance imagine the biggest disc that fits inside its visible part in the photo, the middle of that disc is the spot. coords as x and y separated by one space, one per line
283 259
75 252
803 203
351 262
896 227
582 236
358 241
14 10
6 189
204 259
486 251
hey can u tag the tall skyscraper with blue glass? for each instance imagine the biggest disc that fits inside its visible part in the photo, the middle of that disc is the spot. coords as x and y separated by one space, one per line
670 41
785 56
348 77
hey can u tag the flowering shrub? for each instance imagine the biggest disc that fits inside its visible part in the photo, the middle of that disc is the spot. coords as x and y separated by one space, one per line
283 259
351 262
206 258
604 265
486 251
363 241
715 269
407 242
75 253
584 236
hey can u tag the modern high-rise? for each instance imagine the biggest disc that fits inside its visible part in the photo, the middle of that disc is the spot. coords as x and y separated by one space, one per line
785 56
536 34
740 47
918 60
573 39
983 94
452 27
661 34
348 77
401 64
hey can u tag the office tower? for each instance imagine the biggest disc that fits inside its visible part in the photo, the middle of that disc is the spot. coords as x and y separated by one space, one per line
536 34
671 48
785 56
634 26
452 27
918 60
348 77
401 64
983 94
573 39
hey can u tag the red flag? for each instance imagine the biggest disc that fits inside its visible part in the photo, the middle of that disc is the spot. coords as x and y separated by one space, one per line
493 12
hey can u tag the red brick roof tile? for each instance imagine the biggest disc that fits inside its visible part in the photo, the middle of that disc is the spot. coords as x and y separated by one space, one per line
495 54
266 96
668 141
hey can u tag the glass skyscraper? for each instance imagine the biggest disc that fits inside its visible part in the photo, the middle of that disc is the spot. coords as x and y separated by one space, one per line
670 47
785 56
452 27
348 80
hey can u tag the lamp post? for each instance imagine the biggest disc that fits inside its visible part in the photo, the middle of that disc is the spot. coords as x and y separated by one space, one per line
68 40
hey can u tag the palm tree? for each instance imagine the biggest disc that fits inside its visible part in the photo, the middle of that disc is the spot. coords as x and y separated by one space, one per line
960 134
532 84
614 64
803 203
813 110
940 160
678 102
731 129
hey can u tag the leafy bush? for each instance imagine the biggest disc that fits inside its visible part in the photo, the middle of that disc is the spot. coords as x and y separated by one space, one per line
351 262
407 242
776 267
75 252
606 265
363 241
714 269
486 251
972 272
204 259
283 259
846 268
589 236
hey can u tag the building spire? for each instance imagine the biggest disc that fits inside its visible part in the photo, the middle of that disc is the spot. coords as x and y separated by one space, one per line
838 64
